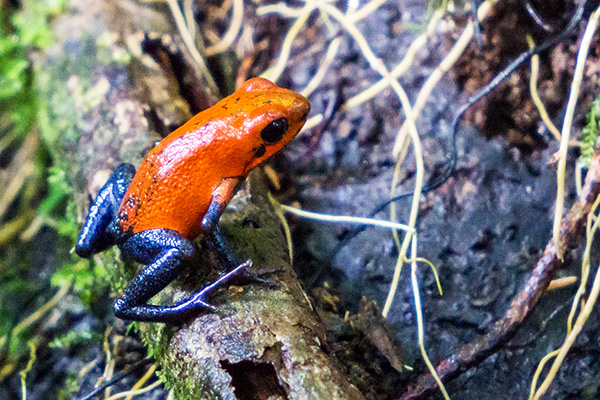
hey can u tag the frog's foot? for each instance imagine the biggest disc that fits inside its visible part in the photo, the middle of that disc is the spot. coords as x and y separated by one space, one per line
251 277
198 300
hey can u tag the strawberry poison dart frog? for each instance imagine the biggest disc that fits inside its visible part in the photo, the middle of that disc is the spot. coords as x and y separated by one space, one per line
180 191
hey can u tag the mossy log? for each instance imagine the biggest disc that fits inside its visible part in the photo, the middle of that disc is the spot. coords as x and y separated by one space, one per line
105 101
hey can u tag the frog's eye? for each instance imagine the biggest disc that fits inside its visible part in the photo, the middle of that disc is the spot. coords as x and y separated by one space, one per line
274 132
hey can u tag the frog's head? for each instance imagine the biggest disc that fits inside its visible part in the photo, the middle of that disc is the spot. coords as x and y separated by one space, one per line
272 117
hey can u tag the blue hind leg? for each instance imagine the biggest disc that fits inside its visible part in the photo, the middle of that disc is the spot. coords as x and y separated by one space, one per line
165 253
95 235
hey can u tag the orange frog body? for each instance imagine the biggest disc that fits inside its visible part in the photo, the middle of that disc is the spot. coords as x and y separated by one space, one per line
181 189
176 181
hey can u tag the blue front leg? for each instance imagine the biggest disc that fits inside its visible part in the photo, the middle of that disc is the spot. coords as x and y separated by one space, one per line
96 234
211 232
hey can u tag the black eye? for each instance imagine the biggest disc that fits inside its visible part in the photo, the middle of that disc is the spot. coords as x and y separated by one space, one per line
274 131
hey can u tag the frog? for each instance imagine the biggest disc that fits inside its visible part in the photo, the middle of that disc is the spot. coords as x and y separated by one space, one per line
179 192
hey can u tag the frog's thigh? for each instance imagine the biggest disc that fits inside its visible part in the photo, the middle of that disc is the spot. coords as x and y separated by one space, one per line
164 252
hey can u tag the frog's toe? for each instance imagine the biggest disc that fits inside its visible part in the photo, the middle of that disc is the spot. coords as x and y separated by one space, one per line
251 277
201 304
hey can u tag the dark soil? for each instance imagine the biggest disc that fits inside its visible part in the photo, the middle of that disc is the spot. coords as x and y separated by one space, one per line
484 229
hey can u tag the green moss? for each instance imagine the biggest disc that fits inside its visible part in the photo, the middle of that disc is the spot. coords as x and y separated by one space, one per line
75 337
30 96
155 337
19 33
589 134
57 209
70 388
181 385
54 207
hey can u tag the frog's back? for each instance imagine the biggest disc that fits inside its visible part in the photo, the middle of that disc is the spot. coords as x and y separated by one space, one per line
172 188
174 185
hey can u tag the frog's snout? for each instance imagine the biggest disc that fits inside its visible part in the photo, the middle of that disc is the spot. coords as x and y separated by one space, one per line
301 109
